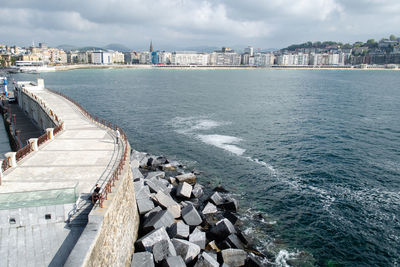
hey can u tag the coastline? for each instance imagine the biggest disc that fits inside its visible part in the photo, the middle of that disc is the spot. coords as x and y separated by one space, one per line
143 66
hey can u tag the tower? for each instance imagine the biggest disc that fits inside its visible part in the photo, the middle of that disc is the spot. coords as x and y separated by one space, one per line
151 46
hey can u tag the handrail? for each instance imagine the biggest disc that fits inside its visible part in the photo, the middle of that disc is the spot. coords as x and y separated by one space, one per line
23 152
102 195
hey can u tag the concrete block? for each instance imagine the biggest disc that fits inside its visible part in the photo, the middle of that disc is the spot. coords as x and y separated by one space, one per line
197 190
187 250
161 219
205 260
178 230
142 259
155 185
223 229
230 204
189 178
147 242
144 205
184 190
234 241
166 201
162 250
210 208
174 261
198 237
155 175
136 173
230 216
172 180
142 192
191 216
216 199
234 257
213 246
152 213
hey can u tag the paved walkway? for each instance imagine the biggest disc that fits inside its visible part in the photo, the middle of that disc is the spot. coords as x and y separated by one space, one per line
84 154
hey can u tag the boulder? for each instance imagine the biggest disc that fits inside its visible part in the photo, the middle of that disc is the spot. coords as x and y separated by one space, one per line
162 250
198 237
234 257
168 167
172 180
157 174
178 230
197 191
147 242
142 259
252 261
189 178
212 246
144 205
160 219
210 208
205 260
220 189
191 216
216 199
155 185
174 261
149 162
184 190
187 250
166 201
143 191
136 173
223 229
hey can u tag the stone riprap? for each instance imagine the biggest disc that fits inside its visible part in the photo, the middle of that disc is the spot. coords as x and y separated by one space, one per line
200 226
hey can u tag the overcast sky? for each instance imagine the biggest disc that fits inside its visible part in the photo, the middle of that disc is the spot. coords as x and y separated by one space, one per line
185 23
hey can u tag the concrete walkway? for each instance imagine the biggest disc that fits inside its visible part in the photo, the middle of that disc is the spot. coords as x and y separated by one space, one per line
84 154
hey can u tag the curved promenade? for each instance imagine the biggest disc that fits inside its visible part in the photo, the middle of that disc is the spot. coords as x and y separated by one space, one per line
46 183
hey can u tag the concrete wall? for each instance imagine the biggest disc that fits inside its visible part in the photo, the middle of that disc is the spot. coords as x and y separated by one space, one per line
109 237
34 108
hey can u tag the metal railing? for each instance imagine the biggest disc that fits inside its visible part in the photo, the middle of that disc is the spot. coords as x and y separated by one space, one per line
23 152
115 175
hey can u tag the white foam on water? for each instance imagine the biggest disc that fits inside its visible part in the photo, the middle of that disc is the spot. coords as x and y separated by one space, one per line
225 142
263 163
283 256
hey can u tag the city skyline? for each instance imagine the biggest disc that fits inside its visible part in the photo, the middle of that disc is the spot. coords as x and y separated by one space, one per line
189 23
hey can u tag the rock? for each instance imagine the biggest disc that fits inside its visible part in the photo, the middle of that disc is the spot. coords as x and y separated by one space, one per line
245 240
149 162
161 219
184 190
216 199
178 230
230 216
198 237
234 241
230 204
220 189
142 259
152 213
147 242
191 216
197 191
187 250
189 178
166 201
234 257
223 229
210 208
144 205
162 250
205 260
174 261
172 180
168 167
155 175
213 246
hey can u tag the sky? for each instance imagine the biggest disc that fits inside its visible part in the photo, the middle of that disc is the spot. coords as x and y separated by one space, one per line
174 24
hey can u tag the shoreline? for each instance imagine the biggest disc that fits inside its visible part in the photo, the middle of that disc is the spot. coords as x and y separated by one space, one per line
142 66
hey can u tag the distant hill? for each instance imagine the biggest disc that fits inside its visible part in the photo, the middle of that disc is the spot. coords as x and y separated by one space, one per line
117 47
90 48
67 47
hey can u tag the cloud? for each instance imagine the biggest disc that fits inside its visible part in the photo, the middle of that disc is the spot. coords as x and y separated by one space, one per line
179 23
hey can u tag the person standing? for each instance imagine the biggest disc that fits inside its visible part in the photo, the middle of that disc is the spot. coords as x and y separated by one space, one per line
117 135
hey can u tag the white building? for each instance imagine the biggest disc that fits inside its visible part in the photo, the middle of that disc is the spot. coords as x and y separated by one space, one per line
189 58
263 60
225 58
144 58
97 57
117 57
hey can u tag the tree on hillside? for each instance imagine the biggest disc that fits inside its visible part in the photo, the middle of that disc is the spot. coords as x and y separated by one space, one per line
392 37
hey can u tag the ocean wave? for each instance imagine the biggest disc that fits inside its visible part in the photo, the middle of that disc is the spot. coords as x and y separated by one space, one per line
225 142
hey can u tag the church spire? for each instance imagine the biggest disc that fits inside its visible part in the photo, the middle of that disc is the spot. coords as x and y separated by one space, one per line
151 46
